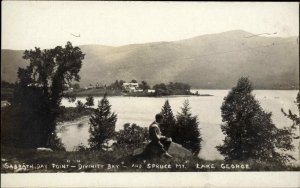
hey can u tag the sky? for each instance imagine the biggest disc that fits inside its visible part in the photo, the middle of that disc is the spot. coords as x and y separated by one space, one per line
46 24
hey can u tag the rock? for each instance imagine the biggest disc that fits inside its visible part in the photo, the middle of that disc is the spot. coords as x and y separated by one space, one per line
138 151
44 149
178 150
174 150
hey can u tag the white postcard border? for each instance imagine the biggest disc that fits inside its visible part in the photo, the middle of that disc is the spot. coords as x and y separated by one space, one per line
156 179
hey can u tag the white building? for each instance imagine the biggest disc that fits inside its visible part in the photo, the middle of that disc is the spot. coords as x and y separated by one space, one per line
131 87
91 86
151 91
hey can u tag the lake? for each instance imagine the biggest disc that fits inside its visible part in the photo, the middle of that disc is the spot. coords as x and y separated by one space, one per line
141 110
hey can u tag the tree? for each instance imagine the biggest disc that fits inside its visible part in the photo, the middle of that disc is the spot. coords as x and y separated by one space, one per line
134 81
171 88
168 119
121 82
5 84
117 84
161 89
250 133
76 86
41 87
80 106
102 125
295 118
89 101
144 86
187 131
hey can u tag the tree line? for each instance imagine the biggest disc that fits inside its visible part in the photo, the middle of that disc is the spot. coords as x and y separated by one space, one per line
172 88
161 89
249 131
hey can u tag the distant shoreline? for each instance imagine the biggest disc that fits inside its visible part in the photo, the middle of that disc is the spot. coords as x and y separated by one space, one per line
94 92
85 93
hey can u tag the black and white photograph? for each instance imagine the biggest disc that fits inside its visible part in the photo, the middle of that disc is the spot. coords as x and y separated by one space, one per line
99 87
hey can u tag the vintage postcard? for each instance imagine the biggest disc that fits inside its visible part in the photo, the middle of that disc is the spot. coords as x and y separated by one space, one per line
118 88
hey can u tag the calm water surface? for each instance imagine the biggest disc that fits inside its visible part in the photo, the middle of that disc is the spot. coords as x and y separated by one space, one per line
141 110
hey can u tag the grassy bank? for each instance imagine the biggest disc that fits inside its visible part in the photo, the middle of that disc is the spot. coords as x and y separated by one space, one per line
30 160
7 93
97 92
73 113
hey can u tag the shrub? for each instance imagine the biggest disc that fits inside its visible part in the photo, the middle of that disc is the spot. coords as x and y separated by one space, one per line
132 136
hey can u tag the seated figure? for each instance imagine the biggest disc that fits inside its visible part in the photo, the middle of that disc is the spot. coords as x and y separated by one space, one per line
159 144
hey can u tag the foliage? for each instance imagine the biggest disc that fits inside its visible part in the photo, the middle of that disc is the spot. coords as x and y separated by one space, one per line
99 92
80 147
294 117
132 136
55 143
102 125
72 113
80 106
161 89
11 118
117 85
176 88
41 87
250 133
7 94
186 131
76 86
168 119
89 101
144 86
5 84
70 96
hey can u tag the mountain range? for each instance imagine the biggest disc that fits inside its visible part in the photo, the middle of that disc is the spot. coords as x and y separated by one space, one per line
213 61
